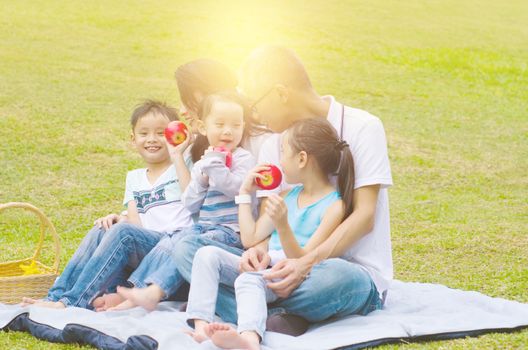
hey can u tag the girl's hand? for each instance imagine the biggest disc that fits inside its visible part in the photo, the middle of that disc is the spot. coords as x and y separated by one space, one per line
286 276
177 151
277 210
249 186
254 259
107 221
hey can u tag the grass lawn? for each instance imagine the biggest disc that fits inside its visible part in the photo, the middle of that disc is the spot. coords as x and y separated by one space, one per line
449 79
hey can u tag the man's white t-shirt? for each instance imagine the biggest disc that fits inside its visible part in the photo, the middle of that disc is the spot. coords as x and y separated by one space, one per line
366 137
253 143
159 204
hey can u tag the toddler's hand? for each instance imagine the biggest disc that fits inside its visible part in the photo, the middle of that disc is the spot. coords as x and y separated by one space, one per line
207 151
107 221
249 186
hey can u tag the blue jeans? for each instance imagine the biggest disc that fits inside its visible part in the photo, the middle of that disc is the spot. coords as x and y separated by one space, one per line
102 261
75 266
334 288
159 266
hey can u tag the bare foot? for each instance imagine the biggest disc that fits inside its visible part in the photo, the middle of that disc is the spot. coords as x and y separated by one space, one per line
148 298
201 331
226 337
29 301
125 305
50 304
106 301
198 337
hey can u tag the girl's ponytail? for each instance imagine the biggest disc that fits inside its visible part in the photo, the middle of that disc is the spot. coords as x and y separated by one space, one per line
318 138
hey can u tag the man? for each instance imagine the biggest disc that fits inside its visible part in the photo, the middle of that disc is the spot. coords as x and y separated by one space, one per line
319 285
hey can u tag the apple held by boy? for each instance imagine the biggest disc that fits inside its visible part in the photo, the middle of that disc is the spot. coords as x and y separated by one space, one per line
176 132
272 178
228 155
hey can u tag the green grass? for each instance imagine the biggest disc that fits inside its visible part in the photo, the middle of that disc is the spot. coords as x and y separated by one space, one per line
449 79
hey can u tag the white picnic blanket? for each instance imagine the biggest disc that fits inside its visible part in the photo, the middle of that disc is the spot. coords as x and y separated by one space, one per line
411 310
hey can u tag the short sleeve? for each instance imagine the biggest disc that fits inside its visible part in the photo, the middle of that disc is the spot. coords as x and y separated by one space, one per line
371 161
129 193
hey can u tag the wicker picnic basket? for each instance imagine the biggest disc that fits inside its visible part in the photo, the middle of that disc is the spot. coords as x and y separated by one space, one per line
29 277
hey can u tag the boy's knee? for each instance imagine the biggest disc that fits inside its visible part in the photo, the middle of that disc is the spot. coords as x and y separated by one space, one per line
120 228
94 236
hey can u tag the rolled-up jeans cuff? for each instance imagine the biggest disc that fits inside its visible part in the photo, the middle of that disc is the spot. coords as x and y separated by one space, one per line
66 302
136 283
198 316
167 290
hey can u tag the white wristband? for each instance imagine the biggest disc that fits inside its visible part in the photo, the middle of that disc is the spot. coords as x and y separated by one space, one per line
243 199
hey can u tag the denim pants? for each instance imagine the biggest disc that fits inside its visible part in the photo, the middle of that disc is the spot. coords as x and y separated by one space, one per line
334 288
159 266
102 261
80 258
213 266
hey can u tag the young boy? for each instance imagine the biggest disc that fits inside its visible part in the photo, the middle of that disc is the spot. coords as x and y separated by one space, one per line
154 208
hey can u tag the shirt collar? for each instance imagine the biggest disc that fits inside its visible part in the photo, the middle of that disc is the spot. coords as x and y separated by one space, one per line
334 112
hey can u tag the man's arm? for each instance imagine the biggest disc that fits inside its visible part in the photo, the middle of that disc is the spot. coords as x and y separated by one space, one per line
292 272
353 228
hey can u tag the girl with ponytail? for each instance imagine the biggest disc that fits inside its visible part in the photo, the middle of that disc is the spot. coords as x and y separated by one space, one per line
296 222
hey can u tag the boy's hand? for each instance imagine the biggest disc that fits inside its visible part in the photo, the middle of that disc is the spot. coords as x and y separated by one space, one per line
277 210
254 259
177 151
107 221
249 186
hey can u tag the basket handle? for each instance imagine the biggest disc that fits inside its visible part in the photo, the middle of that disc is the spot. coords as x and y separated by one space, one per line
44 223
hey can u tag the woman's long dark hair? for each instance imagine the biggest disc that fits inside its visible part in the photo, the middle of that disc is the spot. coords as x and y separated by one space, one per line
318 138
208 77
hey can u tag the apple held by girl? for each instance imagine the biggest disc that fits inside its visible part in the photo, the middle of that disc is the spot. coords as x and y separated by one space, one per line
272 178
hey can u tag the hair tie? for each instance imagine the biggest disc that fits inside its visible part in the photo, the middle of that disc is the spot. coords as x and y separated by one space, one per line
340 145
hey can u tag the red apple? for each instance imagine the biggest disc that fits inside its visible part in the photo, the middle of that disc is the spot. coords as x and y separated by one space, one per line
272 178
228 154
176 132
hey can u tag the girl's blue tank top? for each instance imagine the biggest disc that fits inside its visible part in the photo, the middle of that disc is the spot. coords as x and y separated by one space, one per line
303 221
